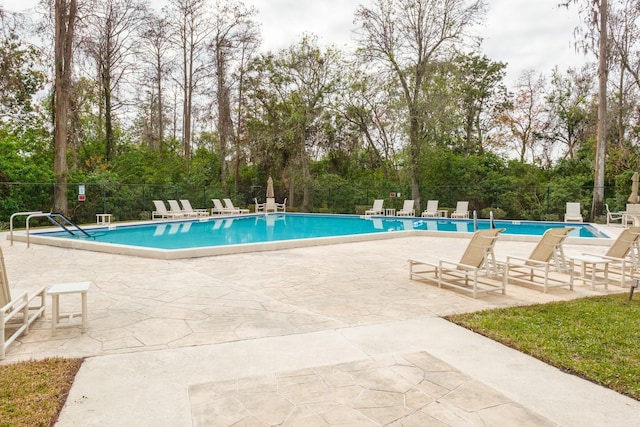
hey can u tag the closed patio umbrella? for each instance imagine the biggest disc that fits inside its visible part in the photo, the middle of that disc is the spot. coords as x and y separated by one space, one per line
270 192
633 198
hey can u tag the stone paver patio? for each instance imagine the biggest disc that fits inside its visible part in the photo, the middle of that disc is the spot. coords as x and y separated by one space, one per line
409 390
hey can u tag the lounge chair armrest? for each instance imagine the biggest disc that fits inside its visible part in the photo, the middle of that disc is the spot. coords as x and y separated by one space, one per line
610 258
452 265
598 255
421 262
15 307
526 262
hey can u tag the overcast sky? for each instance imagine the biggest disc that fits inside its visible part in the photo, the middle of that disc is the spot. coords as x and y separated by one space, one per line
526 34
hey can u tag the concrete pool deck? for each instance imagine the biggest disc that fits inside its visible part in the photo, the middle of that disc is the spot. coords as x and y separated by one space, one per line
325 335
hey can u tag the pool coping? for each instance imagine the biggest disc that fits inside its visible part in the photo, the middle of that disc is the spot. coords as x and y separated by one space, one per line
171 254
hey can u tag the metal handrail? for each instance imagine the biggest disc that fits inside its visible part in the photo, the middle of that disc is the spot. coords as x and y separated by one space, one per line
51 216
35 215
11 222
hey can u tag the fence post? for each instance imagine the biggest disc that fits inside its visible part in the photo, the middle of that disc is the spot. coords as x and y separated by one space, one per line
104 198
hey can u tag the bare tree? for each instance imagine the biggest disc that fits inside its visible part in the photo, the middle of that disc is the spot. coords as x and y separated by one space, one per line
65 19
525 121
624 23
367 107
191 33
154 47
111 42
21 77
404 36
249 41
233 30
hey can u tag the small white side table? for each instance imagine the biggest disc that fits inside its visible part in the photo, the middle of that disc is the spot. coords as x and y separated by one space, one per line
593 261
63 289
390 212
442 213
103 219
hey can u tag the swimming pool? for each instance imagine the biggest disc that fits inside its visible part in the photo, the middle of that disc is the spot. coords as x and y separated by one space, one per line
233 234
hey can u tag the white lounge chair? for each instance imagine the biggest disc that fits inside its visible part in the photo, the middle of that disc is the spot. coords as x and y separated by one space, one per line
462 210
16 314
546 267
572 212
614 216
259 206
175 209
229 208
228 204
623 255
218 208
376 209
162 212
407 209
271 205
476 272
631 215
187 210
432 209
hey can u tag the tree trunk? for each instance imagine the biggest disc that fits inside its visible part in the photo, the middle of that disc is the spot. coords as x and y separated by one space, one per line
65 15
414 147
159 103
108 124
224 116
186 103
306 193
186 131
225 127
598 184
239 136
291 197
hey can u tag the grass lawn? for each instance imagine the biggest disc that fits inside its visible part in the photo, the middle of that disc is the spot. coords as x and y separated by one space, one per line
597 338
33 392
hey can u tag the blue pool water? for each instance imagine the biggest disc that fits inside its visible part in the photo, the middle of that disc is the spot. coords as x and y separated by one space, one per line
278 227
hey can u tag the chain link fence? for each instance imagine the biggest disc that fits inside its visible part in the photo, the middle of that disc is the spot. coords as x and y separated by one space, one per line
128 202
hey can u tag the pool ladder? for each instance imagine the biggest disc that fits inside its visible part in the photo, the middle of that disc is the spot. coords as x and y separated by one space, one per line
61 220
57 219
